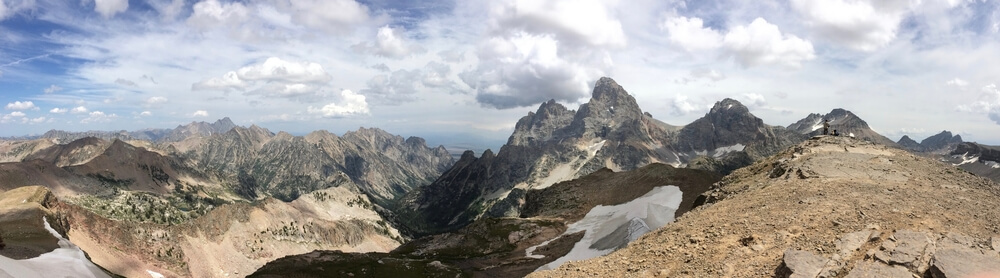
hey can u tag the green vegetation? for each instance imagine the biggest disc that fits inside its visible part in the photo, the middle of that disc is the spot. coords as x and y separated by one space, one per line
184 204
361 202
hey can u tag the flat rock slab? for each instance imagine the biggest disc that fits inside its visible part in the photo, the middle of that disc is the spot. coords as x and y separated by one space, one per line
956 263
801 264
909 248
851 242
878 270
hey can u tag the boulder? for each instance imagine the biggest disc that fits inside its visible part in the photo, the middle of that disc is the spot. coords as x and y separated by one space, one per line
951 263
797 264
907 248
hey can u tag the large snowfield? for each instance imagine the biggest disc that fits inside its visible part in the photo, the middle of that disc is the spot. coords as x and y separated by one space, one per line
609 228
66 261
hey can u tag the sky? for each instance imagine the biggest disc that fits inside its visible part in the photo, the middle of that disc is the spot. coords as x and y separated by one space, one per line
466 71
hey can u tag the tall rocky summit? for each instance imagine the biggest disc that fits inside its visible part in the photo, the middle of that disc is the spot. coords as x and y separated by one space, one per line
555 144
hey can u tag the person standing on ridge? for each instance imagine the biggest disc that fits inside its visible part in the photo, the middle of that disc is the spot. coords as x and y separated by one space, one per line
826 127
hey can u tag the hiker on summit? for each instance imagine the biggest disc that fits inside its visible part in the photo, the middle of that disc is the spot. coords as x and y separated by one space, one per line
826 127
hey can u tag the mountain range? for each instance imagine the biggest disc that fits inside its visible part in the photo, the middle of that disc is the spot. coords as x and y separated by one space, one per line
217 199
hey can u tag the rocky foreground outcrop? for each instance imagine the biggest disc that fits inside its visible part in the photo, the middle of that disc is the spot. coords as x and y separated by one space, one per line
829 207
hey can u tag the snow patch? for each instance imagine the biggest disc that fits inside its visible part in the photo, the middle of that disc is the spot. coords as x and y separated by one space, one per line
992 164
154 274
719 152
567 171
66 261
966 159
608 228
818 124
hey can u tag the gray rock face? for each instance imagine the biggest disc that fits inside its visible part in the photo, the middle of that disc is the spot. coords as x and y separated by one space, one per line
555 144
911 249
950 263
382 165
199 129
940 141
852 242
909 144
877 270
801 264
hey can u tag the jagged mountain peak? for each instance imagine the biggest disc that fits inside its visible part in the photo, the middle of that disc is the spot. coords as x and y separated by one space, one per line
840 116
843 122
940 141
729 105
487 154
606 89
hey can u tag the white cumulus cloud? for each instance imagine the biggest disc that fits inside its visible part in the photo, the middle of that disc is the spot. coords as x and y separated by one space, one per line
350 104
333 16
527 69
98 117
389 42
157 100
858 24
21 106
231 80
200 113
590 22
762 43
146 113
988 103
38 120
274 77
58 110
276 69
691 34
78 110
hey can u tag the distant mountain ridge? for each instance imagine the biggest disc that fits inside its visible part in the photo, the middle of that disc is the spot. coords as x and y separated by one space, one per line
941 142
178 133
844 122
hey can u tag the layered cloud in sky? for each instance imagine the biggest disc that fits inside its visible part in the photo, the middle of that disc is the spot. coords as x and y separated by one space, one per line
429 67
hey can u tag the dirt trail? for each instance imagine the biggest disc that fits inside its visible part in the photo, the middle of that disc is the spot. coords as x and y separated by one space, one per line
836 202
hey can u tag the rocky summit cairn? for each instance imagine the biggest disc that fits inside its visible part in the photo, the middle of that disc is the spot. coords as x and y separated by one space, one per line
828 207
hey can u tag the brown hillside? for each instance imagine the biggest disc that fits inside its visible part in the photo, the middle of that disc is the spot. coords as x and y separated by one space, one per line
829 207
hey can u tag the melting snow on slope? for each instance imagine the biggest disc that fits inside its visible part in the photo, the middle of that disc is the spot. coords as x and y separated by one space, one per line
719 152
966 159
992 164
154 274
609 228
818 124
567 171
66 261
